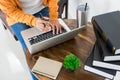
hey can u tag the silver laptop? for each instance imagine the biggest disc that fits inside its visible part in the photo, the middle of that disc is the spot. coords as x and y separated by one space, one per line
36 40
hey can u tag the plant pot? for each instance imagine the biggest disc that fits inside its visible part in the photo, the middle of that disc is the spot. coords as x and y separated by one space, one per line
69 70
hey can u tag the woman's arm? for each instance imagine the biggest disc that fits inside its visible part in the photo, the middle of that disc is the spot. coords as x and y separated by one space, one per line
53 8
11 9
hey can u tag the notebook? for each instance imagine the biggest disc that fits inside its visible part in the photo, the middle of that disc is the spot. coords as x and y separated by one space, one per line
47 67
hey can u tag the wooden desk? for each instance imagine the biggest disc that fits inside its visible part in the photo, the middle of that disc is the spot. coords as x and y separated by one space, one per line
81 46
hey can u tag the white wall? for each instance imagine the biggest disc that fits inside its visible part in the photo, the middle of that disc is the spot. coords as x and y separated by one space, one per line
96 7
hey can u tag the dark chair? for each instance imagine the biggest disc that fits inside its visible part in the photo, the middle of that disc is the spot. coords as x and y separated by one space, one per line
4 22
63 4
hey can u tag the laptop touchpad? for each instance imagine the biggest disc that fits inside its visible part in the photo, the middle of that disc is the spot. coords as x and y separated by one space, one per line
31 32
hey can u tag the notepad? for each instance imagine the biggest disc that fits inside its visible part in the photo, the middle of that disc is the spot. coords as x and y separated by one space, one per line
47 67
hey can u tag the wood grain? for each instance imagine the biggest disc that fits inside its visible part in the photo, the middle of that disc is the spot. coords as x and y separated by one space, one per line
81 46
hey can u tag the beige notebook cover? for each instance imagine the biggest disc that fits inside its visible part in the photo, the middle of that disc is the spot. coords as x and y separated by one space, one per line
47 67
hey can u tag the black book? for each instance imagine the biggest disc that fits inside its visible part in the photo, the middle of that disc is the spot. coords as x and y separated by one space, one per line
98 70
108 25
104 51
98 60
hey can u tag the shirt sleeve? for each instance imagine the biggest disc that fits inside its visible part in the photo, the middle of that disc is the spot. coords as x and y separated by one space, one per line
14 12
53 9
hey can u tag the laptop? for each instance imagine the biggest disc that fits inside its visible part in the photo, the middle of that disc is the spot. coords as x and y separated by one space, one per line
37 40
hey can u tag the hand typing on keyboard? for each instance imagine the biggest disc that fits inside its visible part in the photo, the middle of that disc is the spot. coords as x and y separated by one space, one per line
43 25
46 26
56 27
53 25
44 36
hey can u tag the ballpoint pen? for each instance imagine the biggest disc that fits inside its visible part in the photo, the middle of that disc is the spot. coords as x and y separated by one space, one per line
41 17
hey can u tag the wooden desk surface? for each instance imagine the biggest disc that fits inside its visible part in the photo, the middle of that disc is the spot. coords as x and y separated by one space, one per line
81 46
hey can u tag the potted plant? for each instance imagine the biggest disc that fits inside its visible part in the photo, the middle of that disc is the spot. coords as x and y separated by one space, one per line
71 62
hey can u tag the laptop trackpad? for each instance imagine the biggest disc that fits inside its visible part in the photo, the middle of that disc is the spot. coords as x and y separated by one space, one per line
31 32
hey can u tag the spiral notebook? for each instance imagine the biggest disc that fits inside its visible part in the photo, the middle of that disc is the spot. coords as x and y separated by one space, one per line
47 67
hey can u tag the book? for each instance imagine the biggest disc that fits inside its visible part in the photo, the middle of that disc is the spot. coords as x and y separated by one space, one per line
47 67
117 77
107 79
98 61
104 51
108 25
107 73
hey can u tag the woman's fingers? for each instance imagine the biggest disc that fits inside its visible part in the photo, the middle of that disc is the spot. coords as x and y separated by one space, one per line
45 26
56 27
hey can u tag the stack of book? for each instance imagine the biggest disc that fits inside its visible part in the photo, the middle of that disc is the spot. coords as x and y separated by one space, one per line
104 58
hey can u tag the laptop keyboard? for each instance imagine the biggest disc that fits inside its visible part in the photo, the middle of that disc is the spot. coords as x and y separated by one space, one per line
44 36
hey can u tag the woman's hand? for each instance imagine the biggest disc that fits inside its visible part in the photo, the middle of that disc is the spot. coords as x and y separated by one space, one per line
43 25
56 27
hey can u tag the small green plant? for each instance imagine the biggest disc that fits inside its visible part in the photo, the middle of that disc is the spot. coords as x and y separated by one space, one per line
71 62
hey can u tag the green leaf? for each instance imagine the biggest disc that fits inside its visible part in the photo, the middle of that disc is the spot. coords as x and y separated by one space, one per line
71 62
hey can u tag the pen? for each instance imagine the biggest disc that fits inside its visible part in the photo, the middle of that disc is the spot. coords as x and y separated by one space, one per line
41 16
